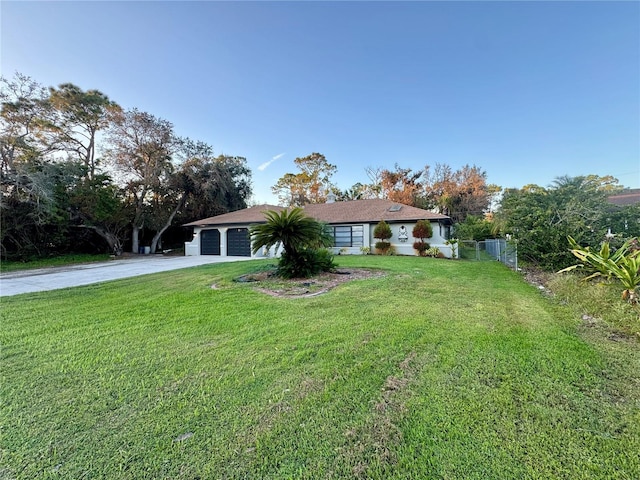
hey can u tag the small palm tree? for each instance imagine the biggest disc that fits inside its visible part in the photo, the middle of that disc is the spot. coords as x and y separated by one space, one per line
299 235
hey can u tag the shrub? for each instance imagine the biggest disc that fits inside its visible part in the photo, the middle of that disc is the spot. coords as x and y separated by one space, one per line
383 247
434 252
324 260
306 263
422 230
421 247
476 228
622 265
382 231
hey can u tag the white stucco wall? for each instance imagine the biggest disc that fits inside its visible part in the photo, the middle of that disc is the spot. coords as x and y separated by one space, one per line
406 248
401 248
192 248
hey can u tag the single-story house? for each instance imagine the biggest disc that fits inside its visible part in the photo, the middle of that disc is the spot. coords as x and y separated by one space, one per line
351 222
630 196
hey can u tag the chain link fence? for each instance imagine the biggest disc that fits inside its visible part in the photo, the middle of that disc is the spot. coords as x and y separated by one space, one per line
490 250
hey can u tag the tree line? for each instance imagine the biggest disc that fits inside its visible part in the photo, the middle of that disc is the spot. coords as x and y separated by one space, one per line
456 193
539 218
80 173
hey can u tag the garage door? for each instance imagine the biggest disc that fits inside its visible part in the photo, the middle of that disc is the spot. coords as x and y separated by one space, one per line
238 242
210 242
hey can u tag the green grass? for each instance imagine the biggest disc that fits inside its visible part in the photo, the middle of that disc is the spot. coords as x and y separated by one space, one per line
440 369
598 299
59 261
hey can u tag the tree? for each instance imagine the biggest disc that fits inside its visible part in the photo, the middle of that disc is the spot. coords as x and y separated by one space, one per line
141 149
219 185
624 220
78 117
373 189
300 237
48 148
457 194
202 184
356 192
311 185
291 190
27 177
401 185
476 228
96 204
56 194
542 218
24 105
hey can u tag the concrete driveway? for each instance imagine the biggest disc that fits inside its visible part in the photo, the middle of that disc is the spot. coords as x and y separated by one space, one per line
28 281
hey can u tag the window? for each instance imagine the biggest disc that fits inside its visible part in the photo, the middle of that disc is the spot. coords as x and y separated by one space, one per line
348 236
445 231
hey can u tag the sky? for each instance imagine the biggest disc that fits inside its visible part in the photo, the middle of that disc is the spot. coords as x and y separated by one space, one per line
527 91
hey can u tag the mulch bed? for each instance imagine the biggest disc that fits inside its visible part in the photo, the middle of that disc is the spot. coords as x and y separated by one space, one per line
266 282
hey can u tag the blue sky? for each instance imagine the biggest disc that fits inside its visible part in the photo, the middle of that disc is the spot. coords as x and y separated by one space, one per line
528 91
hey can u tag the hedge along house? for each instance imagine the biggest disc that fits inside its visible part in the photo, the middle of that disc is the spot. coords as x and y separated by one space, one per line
351 223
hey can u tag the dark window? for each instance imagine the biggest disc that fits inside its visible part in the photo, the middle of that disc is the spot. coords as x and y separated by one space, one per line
348 236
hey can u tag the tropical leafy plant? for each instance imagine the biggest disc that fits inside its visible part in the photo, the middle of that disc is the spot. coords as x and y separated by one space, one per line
622 265
300 236
453 243
433 252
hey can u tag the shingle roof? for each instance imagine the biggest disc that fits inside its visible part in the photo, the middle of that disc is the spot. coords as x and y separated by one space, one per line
627 197
248 215
355 211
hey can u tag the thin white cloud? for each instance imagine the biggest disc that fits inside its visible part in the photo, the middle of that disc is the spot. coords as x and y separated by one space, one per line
263 166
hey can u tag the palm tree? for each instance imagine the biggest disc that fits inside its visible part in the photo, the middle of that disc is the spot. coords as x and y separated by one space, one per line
291 228
299 235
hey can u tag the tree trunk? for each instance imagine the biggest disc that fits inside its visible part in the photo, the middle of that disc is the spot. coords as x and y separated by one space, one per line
135 239
115 245
112 241
156 237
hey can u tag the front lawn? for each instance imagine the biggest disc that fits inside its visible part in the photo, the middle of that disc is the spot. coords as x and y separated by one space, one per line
438 369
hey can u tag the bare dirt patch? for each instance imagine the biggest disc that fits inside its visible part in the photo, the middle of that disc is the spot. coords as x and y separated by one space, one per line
538 278
267 283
